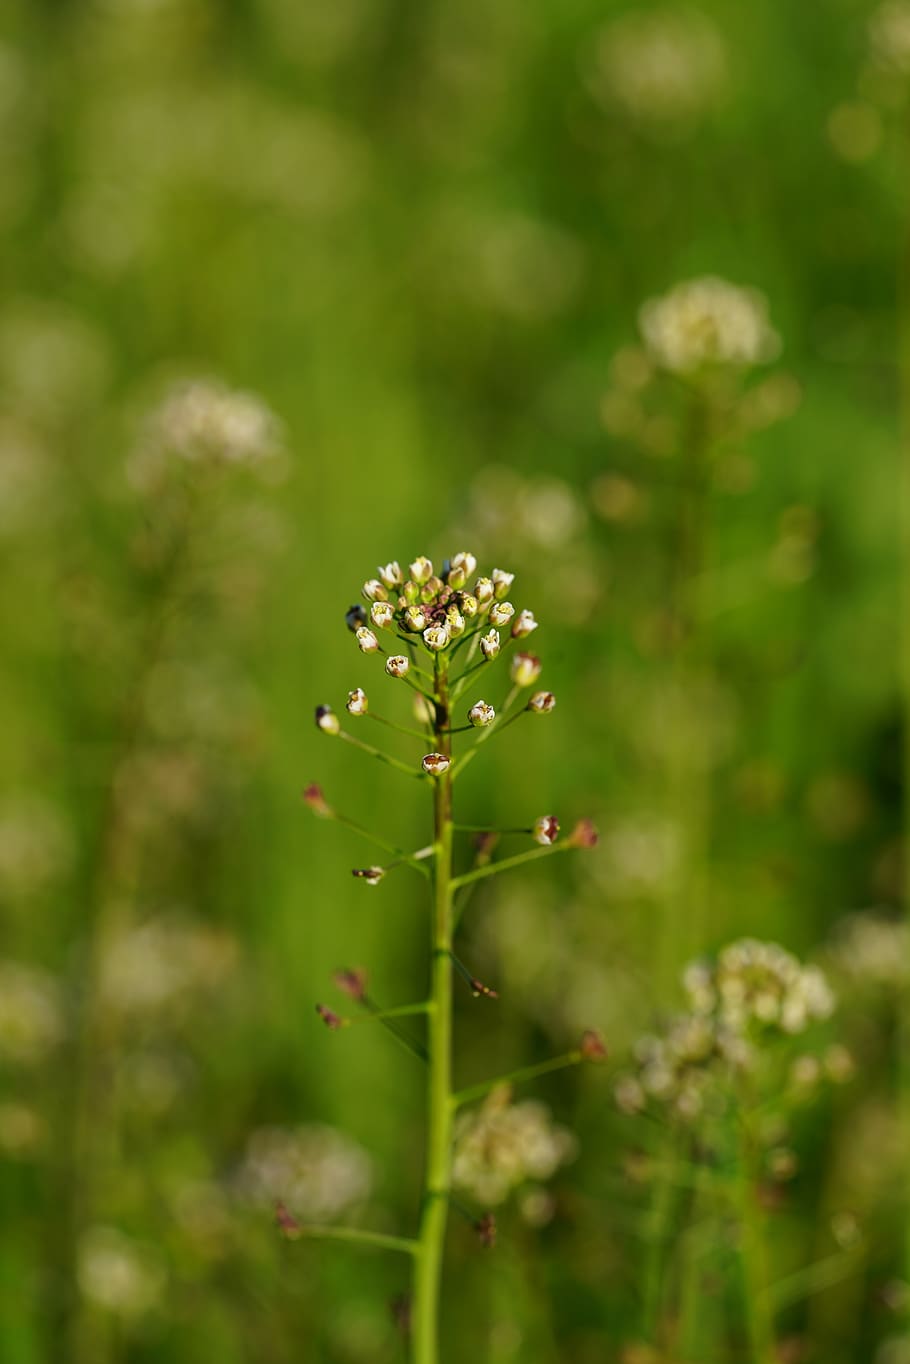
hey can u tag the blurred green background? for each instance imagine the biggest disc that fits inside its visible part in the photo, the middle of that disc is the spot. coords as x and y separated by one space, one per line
422 235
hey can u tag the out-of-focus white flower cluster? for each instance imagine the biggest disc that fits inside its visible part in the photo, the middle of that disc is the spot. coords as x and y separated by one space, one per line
203 422
502 1145
664 67
873 951
736 1006
889 35
117 1273
165 964
31 1013
705 322
36 846
316 1170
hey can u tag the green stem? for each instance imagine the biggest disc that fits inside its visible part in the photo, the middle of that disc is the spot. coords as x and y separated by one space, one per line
376 753
429 1254
364 1238
493 868
756 1284
515 1077
402 729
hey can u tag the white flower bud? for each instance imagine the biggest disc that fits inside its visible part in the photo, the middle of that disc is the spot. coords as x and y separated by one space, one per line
502 581
542 702
373 590
436 637
382 614
391 574
416 618
367 640
372 875
327 720
501 612
468 604
465 561
436 763
481 714
397 665
454 622
483 591
357 702
410 592
546 830
489 644
524 624
525 670
421 569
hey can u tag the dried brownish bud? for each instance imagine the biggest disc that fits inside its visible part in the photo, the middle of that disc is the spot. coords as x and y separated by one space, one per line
352 982
357 703
592 1046
584 835
327 720
372 875
546 830
367 640
397 665
329 1017
542 702
317 802
354 617
287 1223
523 624
486 1230
481 714
435 764
478 988
525 669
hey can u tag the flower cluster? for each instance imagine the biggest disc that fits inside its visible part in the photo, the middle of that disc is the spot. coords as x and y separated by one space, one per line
503 1145
705 322
873 951
315 1169
753 992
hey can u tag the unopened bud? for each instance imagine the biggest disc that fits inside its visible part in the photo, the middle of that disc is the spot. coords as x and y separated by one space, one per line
542 702
416 618
357 703
478 988
367 640
317 802
546 830
484 590
485 1228
397 665
435 764
455 576
525 670
354 617
501 612
373 590
421 569
410 592
372 875
489 645
592 1046
465 561
523 624
468 604
436 637
327 720
391 574
329 1017
454 622
481 714
502 581
382 613
431 589
584 835
352 983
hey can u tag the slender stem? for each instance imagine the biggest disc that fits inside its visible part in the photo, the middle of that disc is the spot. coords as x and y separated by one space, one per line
434 1216
493 868
487 829
756 1284
402 729
374 838
399 1011
365 1238
376 753
516 1077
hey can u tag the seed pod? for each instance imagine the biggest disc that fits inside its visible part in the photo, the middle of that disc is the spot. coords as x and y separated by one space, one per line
367 640
525 670
397 665
481 714
357 703
435 764
542 702
327 720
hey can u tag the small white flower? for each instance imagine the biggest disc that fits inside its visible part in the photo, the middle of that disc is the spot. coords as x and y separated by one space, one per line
373 590
468 604
524 624
416 618
421 569
391 574
525 670
501 612
327 720
436 763
464 560
382 614
481 714
483 591
397 665
454 622
502 581
542 702
489 644
357 703
546 830
372 875
436 637
367 640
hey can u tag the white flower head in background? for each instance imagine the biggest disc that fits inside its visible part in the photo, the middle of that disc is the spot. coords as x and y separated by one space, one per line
502 1145
708 322
316 1170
